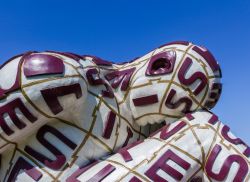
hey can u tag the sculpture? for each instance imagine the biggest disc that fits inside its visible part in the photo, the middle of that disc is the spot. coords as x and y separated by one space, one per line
63 114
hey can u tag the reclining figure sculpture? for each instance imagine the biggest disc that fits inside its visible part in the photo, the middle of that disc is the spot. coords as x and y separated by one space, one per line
66 117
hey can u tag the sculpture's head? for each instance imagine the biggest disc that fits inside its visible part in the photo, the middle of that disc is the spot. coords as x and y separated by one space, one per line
175 79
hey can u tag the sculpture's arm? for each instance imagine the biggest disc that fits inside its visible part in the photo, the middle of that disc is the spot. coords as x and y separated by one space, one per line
196 148
36 88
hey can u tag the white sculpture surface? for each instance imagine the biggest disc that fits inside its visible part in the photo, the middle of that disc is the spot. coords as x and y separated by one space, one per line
66 117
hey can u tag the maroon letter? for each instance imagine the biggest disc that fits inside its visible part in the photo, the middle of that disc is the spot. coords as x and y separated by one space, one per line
161 163
235 141
197 75
130 135
124 151
213 120
22 164
147 100
71 55
93 81
135 179
109 125
9 109
120 77
165 134
98 61
41 64
60 158
208 57
103 173
50 95
214 95
184 100
80 171
242 170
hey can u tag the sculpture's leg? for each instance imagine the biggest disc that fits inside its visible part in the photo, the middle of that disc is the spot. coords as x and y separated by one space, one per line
198 147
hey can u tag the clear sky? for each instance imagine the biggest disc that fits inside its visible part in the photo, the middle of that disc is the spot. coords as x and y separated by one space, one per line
120 30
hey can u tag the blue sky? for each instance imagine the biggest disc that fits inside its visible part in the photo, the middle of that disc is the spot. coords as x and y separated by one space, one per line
120 30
